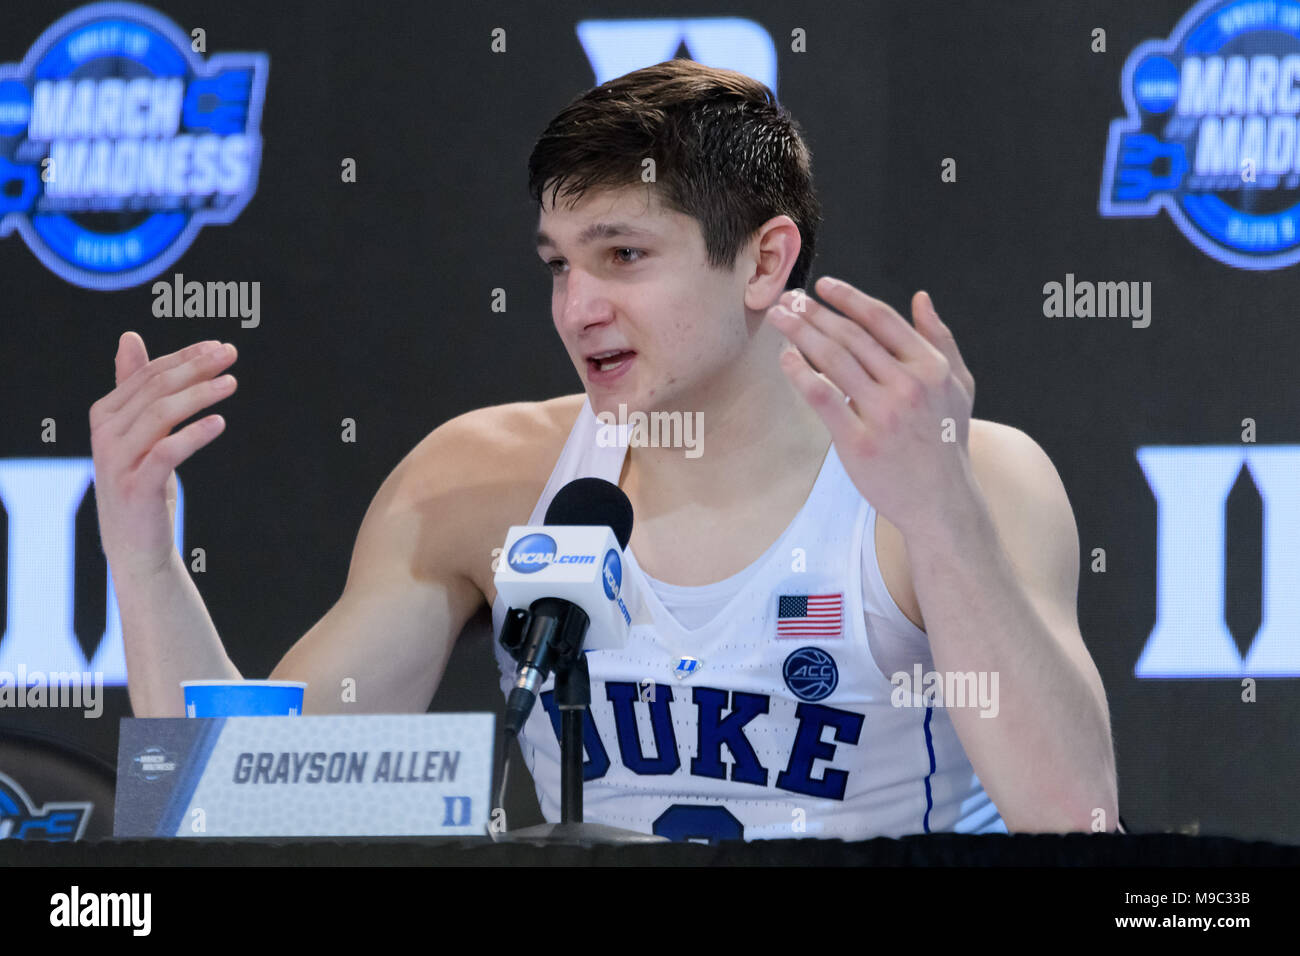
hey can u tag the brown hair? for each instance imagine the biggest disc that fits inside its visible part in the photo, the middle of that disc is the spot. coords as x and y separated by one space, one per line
725 152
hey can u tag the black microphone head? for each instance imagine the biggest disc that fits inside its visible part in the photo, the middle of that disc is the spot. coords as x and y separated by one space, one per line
593 501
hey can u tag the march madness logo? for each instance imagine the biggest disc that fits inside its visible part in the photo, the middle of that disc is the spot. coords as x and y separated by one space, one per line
1211 132
118 143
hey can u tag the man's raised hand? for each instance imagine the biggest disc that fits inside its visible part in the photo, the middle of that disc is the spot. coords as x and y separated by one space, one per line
903 439
135 452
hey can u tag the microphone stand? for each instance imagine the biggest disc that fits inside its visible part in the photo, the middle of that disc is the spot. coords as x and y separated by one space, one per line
572 697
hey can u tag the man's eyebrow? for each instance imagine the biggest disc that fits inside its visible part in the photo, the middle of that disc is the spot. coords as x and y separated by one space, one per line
601 230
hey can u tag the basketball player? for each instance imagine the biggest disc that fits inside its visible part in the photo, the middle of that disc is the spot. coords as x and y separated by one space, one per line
847 520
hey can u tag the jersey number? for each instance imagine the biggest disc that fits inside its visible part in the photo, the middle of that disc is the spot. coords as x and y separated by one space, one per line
687 821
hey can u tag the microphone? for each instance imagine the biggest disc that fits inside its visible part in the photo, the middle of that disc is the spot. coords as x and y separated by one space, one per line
569 574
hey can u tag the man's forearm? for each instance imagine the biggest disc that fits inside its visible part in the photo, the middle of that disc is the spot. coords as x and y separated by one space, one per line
1046 759
169 637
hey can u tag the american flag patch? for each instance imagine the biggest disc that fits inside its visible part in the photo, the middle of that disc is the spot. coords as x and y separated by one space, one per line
809 615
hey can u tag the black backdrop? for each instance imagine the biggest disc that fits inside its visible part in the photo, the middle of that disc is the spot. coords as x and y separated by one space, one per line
376 305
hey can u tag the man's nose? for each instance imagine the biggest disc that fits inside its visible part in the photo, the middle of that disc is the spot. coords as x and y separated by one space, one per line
585 303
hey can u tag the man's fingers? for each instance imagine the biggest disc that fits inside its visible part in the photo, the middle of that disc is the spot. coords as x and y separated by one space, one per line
885 325
117 399
170 382
940 336
156 386
131 355
879 363
856 367
150 427
841 420
167 454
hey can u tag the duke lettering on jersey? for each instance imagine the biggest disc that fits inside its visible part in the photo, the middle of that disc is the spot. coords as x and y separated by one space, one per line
714 732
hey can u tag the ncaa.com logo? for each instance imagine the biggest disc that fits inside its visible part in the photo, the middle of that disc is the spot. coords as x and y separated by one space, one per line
118 143
1211 133
612 574
533 552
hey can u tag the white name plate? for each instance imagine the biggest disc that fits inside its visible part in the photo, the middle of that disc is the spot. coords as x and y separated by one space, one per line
334 775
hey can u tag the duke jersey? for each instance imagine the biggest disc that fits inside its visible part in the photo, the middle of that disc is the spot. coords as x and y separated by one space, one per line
774 718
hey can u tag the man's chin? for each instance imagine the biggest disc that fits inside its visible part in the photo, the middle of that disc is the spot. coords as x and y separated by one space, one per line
614 409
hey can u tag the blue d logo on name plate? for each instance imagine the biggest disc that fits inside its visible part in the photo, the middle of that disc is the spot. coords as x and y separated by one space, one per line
531 553
810 673
118 143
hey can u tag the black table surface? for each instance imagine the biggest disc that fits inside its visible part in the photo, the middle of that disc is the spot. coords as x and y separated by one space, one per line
939 849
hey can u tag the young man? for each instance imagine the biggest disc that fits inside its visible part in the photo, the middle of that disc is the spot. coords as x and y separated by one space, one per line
842 525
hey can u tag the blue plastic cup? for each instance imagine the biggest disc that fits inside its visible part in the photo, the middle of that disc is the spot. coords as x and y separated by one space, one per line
243 698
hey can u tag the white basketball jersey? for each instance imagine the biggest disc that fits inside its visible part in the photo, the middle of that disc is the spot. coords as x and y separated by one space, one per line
774 720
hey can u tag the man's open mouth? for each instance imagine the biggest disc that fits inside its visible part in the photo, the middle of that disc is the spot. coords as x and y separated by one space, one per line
608 361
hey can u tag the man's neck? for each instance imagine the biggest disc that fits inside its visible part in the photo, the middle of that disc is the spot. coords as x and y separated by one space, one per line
751 437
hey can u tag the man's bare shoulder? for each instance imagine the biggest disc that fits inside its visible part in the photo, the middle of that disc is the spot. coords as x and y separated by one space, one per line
506 448
989 444
985 430
475 475
1003 455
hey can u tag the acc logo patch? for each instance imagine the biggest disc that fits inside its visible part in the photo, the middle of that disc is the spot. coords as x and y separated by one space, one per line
1211 133
118 143
810 673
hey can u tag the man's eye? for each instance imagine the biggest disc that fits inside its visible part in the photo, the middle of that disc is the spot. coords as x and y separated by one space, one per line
554 266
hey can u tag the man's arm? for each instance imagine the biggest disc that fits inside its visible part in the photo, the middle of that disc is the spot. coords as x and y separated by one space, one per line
167 633
991 541
996 574
406 599
407 595
410 587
